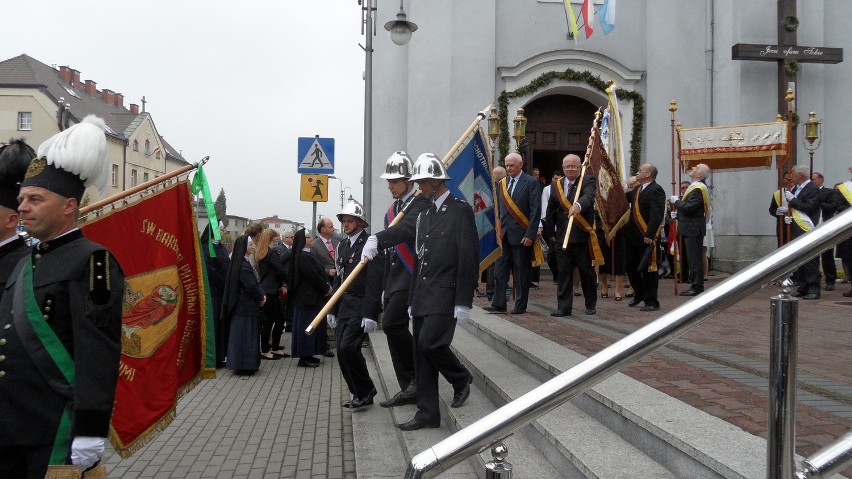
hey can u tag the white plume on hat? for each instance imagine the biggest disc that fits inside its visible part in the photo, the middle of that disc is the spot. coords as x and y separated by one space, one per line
81 150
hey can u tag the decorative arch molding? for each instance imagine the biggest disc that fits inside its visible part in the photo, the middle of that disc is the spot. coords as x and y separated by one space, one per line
576 73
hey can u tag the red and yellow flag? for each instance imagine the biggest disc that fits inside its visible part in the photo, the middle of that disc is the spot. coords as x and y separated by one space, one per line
164 329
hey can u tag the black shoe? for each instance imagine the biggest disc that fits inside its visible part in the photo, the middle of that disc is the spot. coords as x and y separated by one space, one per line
534 285
358 403
461 396
690 292
495 309
328 354
559 313
645 309
279 353
307 363
590 311
407 396
829 287
479 293
634 302
416 424
811 296
268 355
519 311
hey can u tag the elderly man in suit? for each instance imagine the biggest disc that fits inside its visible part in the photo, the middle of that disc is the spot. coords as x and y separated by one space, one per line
647 210
826 204
519 200
692 210
560 208
325 247
804 204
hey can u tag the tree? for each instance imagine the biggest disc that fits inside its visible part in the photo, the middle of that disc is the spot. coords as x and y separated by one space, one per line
221 206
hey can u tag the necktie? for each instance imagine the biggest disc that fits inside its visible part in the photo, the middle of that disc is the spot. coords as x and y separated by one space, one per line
511 186
330 248
397 207
568 190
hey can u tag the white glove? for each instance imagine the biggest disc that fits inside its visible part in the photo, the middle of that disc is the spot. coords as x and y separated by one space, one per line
371 248
674 199
788 195
788 220
383 297
86 451
673 214
409 313
368 324
781 211
461 313
331 320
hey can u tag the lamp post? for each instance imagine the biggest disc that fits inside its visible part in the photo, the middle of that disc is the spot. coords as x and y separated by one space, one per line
332 177
494 131
520 132
400 29
812 131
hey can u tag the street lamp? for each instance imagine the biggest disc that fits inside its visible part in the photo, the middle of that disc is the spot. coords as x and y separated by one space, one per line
520 133
812 131
493 130
332 177
400 29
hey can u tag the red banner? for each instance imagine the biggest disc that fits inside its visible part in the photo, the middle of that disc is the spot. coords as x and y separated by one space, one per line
163 331
610 199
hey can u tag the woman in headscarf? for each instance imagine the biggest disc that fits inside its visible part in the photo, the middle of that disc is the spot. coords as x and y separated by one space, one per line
241 305
272 275
309 290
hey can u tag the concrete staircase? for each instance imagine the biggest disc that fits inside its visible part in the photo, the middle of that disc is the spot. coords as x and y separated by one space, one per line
619 429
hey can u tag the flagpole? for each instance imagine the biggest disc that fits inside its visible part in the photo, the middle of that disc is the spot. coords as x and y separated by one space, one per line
580 179
144 186
355 272
673 109
790 97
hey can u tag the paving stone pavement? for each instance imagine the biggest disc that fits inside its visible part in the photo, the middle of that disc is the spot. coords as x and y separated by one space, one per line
283 422
721 366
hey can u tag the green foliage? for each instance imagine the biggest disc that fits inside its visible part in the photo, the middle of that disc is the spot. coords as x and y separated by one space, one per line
591 80
221 206
790 23
791 67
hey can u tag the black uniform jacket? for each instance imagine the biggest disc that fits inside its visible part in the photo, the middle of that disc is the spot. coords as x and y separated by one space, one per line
10 254
82 303
447 267
556 219
355 303
397 277
690 215
807 201
652 207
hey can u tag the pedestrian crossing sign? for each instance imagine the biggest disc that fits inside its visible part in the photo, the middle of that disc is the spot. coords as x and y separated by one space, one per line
316 155
314 188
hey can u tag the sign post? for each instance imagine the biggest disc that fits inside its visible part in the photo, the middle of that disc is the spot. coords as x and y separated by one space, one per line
315 161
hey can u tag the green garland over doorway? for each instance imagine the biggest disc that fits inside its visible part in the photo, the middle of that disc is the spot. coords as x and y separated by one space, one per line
591 80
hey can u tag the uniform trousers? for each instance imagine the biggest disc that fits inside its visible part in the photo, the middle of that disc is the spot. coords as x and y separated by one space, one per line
400 342
692 245
24 462
645 284
518 259
353 366
577 255
432 336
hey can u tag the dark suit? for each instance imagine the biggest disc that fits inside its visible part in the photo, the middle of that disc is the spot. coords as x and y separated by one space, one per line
692 226
517 257
827 207
840 203
272 274
447 268
321 253
81 302
577 254
652 209
397 281
352 307
10 254
807 201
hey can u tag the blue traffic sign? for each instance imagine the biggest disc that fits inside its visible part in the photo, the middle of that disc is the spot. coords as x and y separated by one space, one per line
316 155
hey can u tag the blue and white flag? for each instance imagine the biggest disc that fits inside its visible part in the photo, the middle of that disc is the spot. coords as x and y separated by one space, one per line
470 170
606 14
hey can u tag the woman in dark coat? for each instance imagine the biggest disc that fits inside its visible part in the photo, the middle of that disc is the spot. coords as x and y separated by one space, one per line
272 275
308 290
241 305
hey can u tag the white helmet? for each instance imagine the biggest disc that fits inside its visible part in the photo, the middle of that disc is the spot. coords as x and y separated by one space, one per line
399 165
353 208
428 166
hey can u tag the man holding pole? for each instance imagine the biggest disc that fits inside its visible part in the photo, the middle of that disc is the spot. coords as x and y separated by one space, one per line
647 209
573 196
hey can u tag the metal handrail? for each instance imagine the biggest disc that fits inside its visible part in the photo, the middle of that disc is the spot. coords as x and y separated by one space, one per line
644 341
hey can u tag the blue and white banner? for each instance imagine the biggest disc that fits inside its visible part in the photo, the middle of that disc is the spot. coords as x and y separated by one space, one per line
470 170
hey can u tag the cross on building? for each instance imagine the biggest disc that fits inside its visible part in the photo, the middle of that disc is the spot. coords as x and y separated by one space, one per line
787 51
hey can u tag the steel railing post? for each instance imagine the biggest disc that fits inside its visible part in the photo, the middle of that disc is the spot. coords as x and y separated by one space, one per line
781 433
498 468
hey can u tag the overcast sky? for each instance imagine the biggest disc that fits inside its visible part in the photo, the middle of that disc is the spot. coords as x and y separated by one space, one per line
238 81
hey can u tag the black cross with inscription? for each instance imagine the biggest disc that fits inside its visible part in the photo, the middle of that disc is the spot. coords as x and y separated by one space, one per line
787 52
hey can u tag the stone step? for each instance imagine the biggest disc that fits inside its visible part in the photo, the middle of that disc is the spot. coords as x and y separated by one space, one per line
686 441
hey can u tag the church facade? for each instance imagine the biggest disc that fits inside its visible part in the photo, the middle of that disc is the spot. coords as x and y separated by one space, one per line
465 54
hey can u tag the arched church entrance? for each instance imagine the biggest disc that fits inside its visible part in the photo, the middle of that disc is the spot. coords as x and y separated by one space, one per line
556 126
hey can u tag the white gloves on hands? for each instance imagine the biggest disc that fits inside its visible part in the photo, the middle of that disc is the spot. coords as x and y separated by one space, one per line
788 195
371 248
86 451
461 313
788 220
331 320
409 313
368 324
674 199
781 211
673 214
